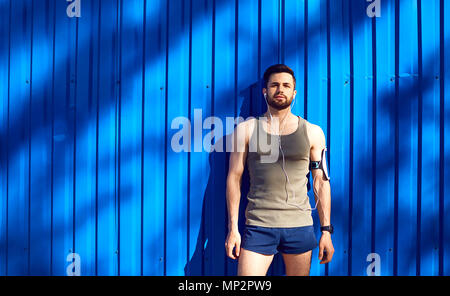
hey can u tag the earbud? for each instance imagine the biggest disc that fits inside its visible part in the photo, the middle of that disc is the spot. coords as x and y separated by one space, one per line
268 109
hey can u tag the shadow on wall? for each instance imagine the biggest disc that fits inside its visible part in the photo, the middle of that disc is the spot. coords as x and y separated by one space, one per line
209 255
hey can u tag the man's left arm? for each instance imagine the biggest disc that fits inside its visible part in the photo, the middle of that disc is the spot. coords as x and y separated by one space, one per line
322 192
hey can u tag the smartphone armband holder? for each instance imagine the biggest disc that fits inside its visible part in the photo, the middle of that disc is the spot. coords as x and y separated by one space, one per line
322 165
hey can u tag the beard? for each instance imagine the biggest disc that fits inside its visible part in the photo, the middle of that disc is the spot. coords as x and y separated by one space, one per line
280 105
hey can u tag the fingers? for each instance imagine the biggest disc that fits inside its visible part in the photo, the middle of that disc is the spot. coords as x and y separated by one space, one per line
230 246
229 249
321 253
324 258
330 255
326 255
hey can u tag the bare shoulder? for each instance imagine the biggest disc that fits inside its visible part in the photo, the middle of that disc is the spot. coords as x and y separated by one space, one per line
315 134
247 124
246 127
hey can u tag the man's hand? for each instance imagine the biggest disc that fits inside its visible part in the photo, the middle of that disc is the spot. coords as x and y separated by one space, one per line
326 249
233 242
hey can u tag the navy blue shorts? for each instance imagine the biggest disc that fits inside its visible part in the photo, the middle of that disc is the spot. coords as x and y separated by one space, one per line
269 241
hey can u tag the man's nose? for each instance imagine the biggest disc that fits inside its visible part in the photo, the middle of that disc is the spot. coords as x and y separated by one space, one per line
280 90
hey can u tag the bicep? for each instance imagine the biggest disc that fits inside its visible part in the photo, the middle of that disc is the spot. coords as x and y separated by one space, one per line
237 164
318 144
239 151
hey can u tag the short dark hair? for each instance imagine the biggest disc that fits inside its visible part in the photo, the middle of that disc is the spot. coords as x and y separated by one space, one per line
278 68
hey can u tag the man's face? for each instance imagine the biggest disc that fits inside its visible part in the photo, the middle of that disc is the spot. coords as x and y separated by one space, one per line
280 90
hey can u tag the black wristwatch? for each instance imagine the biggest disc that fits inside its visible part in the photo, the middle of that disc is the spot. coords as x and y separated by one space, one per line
328 228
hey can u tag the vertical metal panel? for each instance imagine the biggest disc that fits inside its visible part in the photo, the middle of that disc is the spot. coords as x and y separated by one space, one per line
201 226
41 141
429 120
202 107
446 157
223 69
88 121
19 139
177 105
130 136
294 49
63 138
85 150
107 235
153 146
407 104
4 113
384 146
339 134
362 139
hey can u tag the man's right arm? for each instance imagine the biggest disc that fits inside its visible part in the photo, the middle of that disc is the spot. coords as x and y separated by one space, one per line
233 194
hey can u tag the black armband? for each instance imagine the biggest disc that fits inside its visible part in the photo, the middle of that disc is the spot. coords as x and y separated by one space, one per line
322 165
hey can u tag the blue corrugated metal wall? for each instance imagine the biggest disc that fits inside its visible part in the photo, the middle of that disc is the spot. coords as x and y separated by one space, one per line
86 112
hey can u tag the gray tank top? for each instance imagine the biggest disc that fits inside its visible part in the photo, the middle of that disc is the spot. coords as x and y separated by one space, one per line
271 200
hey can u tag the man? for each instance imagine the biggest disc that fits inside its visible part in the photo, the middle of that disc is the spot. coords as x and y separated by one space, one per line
278 215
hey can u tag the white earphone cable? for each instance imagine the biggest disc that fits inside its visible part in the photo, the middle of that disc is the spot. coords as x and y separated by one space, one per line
284 170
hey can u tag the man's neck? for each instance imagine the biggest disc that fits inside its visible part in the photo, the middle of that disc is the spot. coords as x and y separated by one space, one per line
281 114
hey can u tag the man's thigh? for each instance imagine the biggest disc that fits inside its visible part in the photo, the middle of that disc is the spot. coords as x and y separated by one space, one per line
253 264
297 264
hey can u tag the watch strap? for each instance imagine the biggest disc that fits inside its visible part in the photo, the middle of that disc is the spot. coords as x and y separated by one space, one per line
328 228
